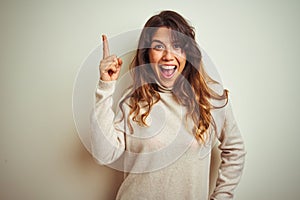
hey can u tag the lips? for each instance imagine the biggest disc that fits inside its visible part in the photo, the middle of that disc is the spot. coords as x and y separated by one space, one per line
167 71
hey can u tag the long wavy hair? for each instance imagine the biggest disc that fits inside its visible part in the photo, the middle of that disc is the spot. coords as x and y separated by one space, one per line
190 89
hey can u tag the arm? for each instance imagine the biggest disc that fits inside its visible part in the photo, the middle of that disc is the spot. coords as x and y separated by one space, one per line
108 142
232 158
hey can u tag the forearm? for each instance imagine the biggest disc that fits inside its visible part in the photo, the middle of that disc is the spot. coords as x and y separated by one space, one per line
232 158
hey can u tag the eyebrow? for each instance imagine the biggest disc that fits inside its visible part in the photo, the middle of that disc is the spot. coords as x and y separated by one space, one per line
158 41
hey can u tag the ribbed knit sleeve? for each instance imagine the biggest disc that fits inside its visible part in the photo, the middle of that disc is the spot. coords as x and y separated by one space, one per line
107 140
232 158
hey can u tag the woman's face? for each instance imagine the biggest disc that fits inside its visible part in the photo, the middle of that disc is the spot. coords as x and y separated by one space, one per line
166 57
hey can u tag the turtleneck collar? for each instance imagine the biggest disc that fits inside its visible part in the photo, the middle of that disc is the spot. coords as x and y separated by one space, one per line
162 88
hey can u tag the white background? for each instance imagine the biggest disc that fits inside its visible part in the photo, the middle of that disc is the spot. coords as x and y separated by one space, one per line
254 44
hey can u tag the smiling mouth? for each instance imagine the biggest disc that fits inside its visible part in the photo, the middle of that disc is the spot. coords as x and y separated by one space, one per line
167 71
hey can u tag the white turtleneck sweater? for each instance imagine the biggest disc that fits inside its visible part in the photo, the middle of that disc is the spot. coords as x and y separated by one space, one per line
163 160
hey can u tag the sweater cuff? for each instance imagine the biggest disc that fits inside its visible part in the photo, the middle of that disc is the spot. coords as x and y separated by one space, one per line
106 85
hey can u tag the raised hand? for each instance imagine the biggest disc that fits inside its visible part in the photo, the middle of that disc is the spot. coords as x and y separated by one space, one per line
110 65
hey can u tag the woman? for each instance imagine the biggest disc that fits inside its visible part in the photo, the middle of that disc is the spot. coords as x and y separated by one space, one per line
168 121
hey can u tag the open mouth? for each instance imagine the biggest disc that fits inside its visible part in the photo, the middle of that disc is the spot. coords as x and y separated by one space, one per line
167 71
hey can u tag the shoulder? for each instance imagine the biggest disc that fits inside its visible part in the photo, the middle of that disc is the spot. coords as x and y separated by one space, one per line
121 97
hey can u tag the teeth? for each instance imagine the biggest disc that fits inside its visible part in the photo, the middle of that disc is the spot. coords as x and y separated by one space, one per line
168 66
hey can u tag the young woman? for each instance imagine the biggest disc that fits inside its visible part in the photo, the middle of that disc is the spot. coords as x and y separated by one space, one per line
168 121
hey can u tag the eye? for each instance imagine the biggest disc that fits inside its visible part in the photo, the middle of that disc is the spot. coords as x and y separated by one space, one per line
177 46
158 47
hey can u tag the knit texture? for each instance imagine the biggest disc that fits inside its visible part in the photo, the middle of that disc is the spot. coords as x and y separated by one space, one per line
163 160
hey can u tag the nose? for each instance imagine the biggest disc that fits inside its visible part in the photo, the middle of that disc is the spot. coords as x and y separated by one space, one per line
168 55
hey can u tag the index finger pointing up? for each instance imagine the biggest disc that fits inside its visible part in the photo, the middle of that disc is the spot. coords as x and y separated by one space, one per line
105 46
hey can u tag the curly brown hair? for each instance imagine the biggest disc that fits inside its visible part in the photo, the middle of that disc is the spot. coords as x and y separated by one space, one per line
191 88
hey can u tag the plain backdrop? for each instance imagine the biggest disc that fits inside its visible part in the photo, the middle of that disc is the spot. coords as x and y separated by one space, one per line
254 44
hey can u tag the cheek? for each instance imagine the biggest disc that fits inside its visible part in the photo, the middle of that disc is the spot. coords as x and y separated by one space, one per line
182 67
182 62
154 57
151 57
153 61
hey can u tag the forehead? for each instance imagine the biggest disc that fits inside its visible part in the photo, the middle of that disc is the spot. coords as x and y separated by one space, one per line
164 34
